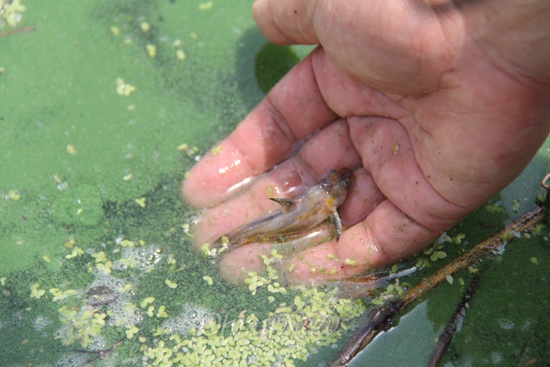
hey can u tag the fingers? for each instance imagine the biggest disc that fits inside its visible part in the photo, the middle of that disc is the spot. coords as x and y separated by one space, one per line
292 110
330 148
384 237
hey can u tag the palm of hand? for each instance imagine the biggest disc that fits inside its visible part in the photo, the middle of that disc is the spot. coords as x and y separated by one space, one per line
423 158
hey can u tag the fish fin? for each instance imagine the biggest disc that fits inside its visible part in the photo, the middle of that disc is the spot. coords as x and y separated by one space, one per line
337 222
287 204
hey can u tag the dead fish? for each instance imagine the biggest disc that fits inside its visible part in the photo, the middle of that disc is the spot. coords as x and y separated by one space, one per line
313 207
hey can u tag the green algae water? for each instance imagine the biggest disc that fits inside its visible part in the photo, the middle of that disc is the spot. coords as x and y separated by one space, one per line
104 107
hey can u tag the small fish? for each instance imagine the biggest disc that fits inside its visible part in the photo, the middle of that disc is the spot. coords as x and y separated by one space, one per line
317 204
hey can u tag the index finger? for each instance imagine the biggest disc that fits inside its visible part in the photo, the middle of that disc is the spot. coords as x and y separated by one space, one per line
292 110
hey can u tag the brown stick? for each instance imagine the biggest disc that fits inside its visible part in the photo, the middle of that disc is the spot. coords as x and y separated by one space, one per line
471 257
380 318
17 30
452 327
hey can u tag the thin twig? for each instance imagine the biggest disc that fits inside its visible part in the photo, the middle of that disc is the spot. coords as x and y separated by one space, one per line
381 318
17 30
452 327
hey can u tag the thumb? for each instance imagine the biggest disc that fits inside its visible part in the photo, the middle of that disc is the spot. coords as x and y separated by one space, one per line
286 21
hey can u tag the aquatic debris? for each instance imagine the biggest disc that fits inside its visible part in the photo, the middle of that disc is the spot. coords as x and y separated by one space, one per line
381 317
141 258
100 296
315 318
123 88
451 328
11 12
192 317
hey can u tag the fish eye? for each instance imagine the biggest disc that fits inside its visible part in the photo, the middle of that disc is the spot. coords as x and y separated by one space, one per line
346 182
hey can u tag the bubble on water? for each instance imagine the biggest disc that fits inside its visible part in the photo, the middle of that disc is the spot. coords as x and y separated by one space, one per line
506 324
121 311
193 316
73 360
41 322
143 258
496 358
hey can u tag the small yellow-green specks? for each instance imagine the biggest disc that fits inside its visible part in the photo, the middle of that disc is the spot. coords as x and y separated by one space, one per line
151 50
100 257
208 279
206 6
47 258
333 271
275 255
70 242
181 55
438 255
14 195
71 149
141 202
449 278
151 311
77 251
35 292
494 208
508 236
115 31
3 281
208 252
127 243
128 177
162 312
145 27
11 12
126 288
216 150
350 262
123 88
193 35
171 284
133 330
456 240
147 301
534 261
291 268
59 295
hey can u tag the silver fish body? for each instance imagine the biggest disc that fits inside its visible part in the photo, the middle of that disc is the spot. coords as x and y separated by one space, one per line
313 207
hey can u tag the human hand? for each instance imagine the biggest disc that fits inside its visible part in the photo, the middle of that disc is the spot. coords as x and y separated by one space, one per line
433 111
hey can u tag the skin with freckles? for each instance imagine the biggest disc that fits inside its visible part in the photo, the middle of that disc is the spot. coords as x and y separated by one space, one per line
437 107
